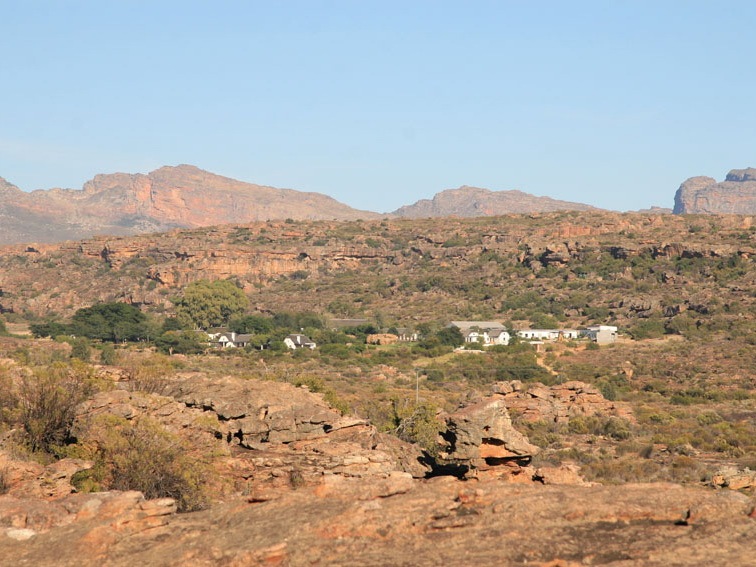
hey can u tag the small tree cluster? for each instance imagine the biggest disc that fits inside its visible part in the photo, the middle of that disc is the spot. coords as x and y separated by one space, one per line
205 304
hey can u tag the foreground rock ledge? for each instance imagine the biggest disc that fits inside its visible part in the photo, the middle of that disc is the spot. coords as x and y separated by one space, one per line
407 522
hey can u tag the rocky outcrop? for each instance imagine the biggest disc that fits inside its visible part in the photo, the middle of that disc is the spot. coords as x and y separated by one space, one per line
558 403
30 479
479 438
100 519
394 522
735 479
169 197
703 195
264 435
476 202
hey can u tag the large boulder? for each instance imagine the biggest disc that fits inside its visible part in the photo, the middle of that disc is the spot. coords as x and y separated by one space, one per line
480 437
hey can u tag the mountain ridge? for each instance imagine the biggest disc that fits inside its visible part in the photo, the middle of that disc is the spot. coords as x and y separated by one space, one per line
185 196
467 201
182 196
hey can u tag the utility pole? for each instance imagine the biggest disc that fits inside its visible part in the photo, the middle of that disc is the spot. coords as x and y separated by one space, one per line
417 387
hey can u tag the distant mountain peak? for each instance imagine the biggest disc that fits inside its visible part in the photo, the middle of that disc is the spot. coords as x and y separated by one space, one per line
704 195
467 201
182 196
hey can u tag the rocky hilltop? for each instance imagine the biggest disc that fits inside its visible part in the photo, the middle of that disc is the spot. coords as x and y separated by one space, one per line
170 197
704 195
475 202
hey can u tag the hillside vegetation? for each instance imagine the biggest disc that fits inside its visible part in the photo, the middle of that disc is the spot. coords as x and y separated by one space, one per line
680 289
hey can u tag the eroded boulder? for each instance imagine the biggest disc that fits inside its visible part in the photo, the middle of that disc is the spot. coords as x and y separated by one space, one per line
480 437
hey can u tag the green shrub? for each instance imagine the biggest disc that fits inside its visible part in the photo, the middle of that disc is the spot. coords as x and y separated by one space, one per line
417 424
108 355
81 349
48 400
142 456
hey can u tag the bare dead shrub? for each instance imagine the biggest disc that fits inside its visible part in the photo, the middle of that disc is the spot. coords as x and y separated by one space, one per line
149 374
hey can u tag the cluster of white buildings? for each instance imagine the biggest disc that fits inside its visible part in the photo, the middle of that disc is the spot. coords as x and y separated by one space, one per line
490 333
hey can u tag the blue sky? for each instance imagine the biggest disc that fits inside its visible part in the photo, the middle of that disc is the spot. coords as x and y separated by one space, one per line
379 104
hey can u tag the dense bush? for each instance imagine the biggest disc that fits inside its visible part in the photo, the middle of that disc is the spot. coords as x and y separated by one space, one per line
81 349
141 455
48 399
417 423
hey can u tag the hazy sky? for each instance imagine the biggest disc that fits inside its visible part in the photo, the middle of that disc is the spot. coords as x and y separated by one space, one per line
379 104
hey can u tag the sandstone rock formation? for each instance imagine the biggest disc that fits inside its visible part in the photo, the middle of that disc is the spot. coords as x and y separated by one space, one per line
480 438
703 195
265 435
734 479
169 197
476 202
345 522
558 403
29 479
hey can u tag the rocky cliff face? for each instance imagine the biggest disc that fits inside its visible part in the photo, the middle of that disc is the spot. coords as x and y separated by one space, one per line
170 197
703 195
476 202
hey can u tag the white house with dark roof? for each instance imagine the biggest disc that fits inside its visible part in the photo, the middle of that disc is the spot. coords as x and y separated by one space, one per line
228 339
297 340
487 333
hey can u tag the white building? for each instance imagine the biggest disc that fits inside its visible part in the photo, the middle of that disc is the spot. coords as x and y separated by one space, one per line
548 334
487 333
601 334
298 341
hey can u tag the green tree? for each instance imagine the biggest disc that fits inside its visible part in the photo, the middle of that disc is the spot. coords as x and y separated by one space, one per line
49 329
208 304
180 342
112 322
254 324
450 336
3 329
